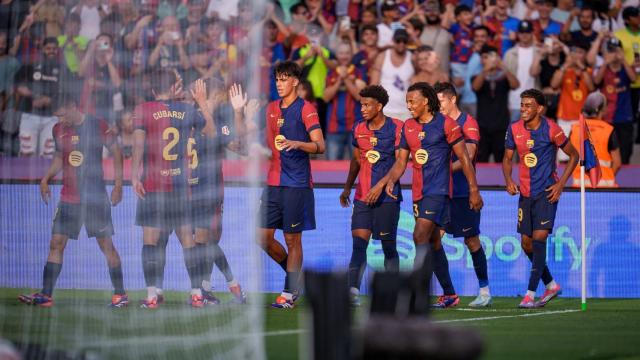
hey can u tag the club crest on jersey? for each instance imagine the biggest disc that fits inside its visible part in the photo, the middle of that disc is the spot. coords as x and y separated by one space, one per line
530 160
373 140
280 122
75 139
372 156
421 135
279 142
76 158
421 156
530 143
225 130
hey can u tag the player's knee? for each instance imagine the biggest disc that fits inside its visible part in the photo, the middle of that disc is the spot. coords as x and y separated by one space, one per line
57 245
473 243
526 245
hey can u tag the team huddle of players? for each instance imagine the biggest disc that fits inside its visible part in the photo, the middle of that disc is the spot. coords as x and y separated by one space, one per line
177 176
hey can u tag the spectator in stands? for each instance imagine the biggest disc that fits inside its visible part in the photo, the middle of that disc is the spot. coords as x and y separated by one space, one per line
365 58
9 66
585 34
468 100
462 32
101 95
342 95
414 28
52 15
38 86
518 60
389 24
428 67
544 26
141 38
614 79
221 53
170 52
603 138
222 9
175 8
545 64
91 13
294 36
27 45
12 16
193 25
496 18
434 35
575 82
630 39
393 71
492 88
272 52
73 45
321 14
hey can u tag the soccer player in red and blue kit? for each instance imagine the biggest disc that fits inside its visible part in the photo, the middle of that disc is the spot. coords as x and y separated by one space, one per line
429 137
375 214
79 139
161 148
465 222
536 139
287 203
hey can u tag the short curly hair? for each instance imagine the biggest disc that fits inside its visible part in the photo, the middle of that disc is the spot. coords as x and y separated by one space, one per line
375 92
535 94
427 91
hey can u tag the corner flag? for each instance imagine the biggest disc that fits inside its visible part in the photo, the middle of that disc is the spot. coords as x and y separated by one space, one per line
588 157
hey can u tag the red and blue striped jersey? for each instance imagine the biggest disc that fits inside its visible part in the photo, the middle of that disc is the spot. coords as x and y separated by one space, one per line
471 133
616 87
343 111
462 43
377 156
537 150
430 146
168 127
81 150
290 168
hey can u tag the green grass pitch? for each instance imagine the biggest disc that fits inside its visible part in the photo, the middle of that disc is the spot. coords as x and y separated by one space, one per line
80 322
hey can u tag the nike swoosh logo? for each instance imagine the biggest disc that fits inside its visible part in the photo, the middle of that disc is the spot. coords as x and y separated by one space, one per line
545 222
294 225
383 234
361 136
410 130
465 230
519 136
103 229
429 212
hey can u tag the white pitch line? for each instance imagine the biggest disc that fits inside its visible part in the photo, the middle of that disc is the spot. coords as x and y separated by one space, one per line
507 316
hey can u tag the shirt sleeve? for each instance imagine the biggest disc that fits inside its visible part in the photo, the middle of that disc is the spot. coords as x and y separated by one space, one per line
403 138
557 135
310 117
224 128
613 143
354 137
509 143
471 131
138 118
452 131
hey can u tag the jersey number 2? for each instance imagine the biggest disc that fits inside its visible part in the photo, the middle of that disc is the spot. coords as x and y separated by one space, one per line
173 136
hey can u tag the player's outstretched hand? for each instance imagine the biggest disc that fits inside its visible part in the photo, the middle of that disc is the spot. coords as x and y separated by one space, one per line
389 190
344 198
554 192
512 188
199 93
374 194
45 193
475 201
237 98
116 195
138 188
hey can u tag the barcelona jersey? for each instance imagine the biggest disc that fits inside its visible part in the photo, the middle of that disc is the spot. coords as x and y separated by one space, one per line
430 146
471 133
290 168
537 151
377 156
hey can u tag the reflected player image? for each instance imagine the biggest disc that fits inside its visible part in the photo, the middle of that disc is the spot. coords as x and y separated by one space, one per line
79 139
159 176
430 137
287 203
375 214
465 222
537 140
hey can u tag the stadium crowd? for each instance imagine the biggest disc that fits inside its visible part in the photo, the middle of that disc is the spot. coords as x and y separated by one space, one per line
490 50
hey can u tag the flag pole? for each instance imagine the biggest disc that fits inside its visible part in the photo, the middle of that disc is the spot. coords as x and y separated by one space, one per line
583 247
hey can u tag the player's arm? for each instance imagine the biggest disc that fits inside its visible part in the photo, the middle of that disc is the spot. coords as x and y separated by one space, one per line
116 192
374 73
54 169
354 169
555 190
507 170
475 200
139 136
471 151
315 146
397 170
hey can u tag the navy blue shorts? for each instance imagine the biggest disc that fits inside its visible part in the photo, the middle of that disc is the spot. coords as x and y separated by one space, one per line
207 214
463 221
536 214
432 207
381 219
96 218
163 210
290 209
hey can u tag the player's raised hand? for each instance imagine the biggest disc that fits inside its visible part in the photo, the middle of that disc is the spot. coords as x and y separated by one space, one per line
199 94
374 194
116 195
138 188
512 188
344 198
475 200
45 193
178 87
389 190
554 191
237 98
